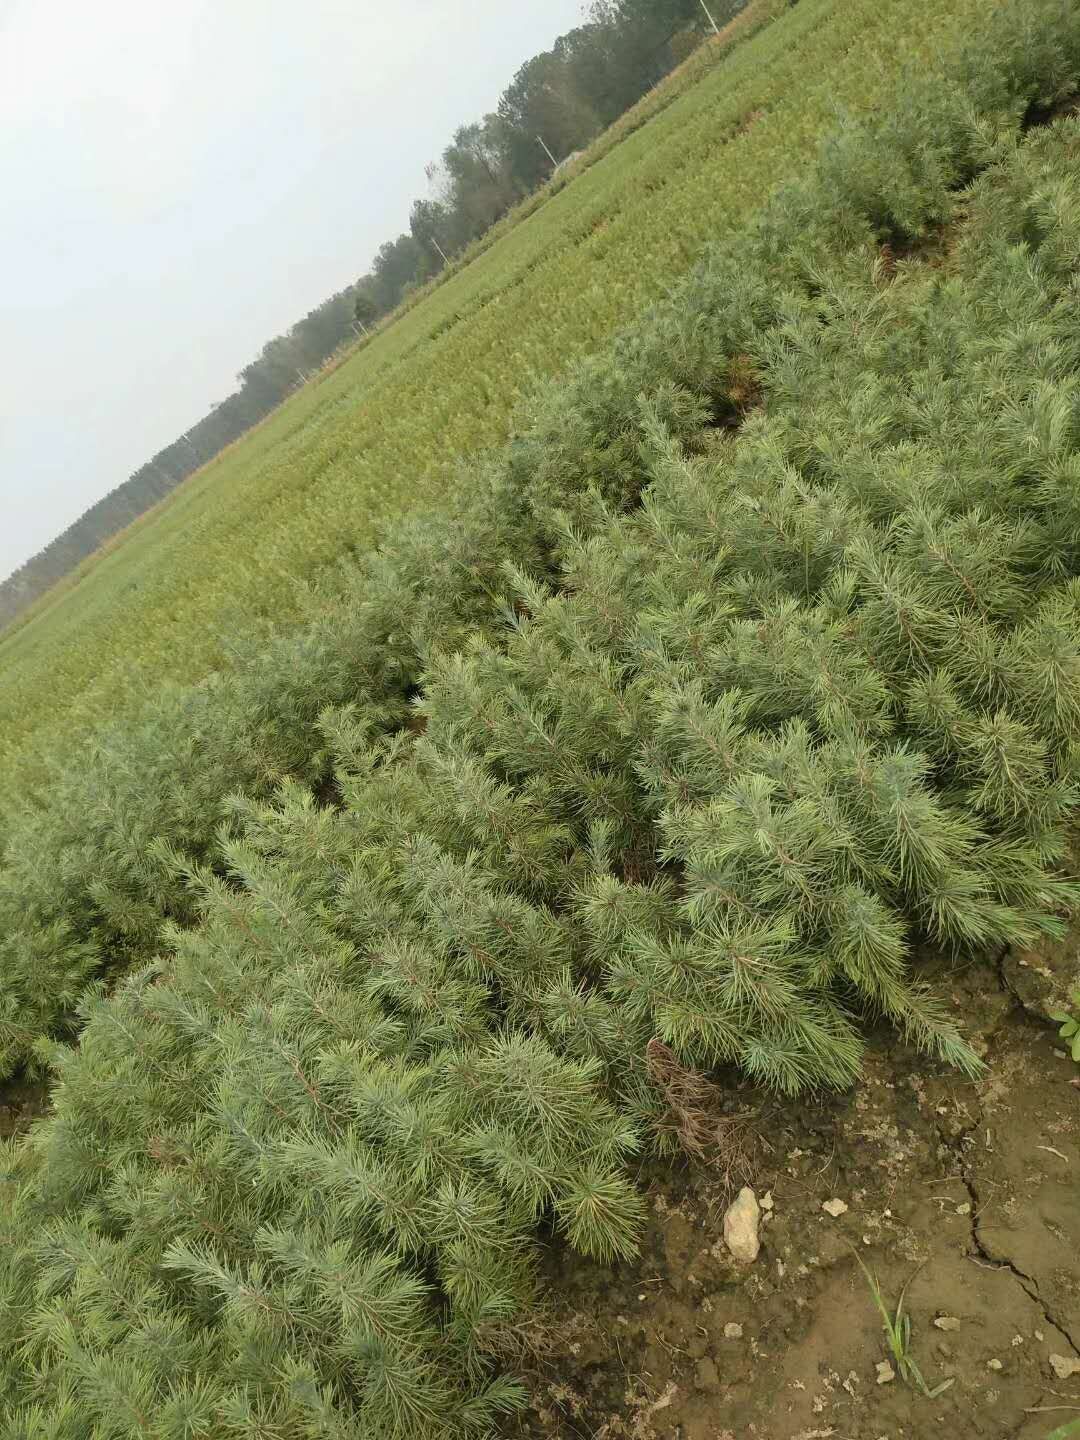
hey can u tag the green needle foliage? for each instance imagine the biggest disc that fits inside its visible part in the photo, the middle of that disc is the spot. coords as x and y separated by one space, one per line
670 731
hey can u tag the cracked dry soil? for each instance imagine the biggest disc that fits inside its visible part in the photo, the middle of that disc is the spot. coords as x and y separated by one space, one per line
969 1191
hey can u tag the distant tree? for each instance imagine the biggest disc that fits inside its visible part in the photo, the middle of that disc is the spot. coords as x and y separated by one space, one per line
430 224
478 183
636 43
543 101
323 329
365 306
396 264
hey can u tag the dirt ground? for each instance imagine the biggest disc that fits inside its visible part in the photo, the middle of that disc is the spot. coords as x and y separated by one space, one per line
969 1194
21 1102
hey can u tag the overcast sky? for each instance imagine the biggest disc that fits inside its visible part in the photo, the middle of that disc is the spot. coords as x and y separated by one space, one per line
180 180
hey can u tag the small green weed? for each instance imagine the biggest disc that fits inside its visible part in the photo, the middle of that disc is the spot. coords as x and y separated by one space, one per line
898 1334
1066 1431
1069 1020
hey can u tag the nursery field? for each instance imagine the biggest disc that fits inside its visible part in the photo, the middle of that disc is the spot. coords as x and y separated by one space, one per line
713 50
384 433
686 801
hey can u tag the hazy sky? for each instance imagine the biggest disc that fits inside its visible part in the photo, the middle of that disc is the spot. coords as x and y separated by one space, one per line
180 180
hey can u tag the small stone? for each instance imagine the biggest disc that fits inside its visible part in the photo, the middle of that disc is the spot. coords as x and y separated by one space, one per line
835 1208
885 1373
964 1209
641 1296
705 1376
741 1224
1060 1055
767 1201
1064 1367
947 1322
867 1240
1039 1335
994 1365
732 1331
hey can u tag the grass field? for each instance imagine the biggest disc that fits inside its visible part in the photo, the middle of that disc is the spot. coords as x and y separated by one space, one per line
649 765
383 432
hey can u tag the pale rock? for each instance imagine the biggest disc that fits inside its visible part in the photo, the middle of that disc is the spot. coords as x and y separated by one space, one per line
732 1331
947 1322
885 1373
835 1208
741 1225
964 1209
767 1201
994 1365
1064 1367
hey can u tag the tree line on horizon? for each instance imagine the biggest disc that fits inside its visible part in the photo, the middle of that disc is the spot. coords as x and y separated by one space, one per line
567 95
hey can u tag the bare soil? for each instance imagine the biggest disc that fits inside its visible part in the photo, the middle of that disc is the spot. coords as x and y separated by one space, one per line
21 1102
968 1193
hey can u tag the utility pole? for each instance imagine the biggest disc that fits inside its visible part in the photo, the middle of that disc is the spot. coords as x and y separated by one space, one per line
548 153
712 22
